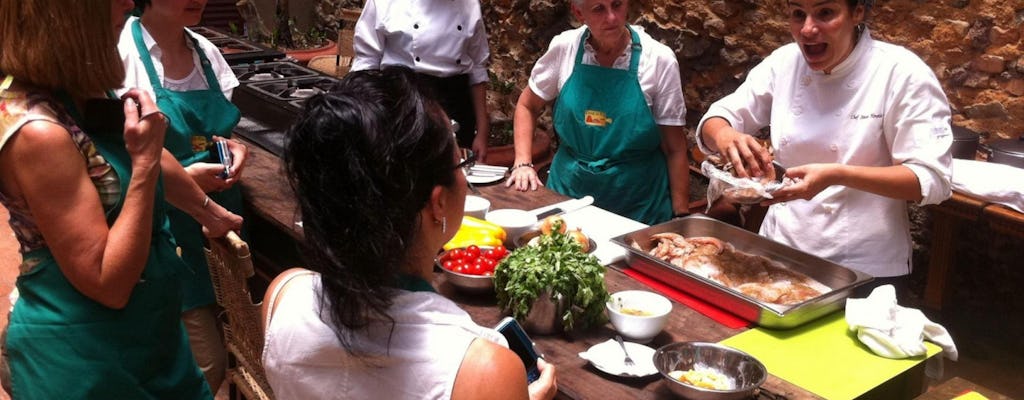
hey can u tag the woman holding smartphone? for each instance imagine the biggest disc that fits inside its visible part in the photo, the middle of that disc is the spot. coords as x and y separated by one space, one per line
98 315
365 321
192 85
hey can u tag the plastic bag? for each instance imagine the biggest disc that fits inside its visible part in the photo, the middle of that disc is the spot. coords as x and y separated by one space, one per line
738 190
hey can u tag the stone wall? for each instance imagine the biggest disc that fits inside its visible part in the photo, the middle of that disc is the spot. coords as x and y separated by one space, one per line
974 46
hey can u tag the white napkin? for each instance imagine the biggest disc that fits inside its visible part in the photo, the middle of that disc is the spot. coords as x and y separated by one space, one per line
992 182
892 331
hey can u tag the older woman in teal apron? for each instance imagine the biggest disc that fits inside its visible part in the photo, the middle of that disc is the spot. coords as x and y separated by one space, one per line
196 116
612 145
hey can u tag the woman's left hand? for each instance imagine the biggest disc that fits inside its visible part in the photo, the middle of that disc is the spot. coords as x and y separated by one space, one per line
480 146
808 181
239 153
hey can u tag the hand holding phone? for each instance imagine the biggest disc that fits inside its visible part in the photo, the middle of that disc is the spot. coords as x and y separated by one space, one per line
520 343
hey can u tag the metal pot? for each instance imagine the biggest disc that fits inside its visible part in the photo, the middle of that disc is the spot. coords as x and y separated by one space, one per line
965 143
1006 151
545 316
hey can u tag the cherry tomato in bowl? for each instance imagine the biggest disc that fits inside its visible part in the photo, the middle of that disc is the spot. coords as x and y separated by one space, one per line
471 268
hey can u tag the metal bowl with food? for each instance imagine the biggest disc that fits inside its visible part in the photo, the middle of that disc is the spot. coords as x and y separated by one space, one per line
532 236
709 371
471 268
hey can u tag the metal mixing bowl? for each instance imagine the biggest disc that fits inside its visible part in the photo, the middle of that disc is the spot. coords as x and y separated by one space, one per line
747 372
466 282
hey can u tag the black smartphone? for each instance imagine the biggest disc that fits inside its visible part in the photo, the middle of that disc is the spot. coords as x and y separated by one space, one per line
520 343
103 116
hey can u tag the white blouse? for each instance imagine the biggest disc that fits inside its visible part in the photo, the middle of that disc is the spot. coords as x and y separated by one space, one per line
418 359
135 71
658 72
882 106
442 38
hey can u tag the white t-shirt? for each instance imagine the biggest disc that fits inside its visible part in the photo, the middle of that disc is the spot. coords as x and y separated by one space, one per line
882 106
658 72
419 359
135 70
442 38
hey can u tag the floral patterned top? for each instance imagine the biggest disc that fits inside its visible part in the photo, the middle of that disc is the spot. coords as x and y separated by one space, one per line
20 105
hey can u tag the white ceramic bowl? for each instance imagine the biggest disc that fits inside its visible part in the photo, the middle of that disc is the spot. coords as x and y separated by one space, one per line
514 222
477 206
638 315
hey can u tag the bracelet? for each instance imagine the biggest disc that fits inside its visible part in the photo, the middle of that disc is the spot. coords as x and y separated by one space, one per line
520 165
206 201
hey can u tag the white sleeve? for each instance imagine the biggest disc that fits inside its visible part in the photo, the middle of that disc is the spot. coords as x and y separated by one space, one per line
225 76
668 105
546 74
479 52
368 43
748 109
917 126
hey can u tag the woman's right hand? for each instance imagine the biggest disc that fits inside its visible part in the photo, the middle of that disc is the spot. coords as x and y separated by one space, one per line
546 386
748 156
207 176
144 128
523 178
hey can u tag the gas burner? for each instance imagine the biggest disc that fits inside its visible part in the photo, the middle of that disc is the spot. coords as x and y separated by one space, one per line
271 71
294 88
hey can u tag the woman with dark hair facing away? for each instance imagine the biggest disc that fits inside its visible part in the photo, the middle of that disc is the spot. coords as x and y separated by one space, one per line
192 84
377 173
83 177
862 126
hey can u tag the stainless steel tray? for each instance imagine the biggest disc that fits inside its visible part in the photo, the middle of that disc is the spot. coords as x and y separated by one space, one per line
840 279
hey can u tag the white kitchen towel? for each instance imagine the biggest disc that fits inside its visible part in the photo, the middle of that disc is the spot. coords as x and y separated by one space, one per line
892 331
996 183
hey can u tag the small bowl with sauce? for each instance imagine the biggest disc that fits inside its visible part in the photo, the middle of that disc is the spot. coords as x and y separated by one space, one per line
638 315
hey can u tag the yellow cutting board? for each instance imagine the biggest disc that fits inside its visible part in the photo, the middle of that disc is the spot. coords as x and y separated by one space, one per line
823 357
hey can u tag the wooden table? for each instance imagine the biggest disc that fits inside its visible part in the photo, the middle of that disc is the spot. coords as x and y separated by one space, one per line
271 209
946 218
958 386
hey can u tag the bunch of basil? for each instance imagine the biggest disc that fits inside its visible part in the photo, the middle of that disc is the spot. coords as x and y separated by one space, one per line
557 265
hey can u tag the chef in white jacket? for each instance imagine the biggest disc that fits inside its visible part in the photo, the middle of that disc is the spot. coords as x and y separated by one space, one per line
863 127
445 42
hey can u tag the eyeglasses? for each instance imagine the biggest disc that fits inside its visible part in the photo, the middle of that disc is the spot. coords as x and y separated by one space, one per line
468 160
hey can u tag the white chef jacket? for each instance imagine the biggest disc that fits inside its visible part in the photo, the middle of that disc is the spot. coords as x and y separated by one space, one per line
135 72
418 359
658 72
882 106
442 38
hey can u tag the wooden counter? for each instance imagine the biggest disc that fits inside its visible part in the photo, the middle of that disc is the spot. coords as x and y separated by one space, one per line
271 208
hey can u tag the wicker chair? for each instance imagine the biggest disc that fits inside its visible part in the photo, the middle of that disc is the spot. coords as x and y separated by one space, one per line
230 267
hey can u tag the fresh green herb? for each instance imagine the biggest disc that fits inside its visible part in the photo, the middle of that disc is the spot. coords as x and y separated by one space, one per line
559 265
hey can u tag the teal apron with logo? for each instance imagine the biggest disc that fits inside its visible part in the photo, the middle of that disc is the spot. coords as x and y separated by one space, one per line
195 116
610 144
63 345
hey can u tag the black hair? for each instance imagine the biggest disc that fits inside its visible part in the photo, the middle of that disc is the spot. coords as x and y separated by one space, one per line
140 5
363 160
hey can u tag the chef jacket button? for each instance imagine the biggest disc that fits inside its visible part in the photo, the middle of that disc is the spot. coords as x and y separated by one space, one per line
833 147
416 26
417 59
459 27
458 61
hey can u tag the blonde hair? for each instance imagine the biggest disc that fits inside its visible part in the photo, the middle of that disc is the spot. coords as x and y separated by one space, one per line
60 44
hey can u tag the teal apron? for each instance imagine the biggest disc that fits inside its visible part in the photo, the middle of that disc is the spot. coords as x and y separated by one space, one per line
610 145
195 116
63 345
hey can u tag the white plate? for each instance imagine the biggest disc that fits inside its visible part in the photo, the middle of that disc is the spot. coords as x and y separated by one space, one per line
608 357
481 179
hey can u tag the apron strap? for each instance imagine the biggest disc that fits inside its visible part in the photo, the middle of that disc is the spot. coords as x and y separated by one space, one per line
147 58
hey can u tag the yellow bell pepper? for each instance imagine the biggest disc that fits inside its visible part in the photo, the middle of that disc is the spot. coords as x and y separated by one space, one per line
478 232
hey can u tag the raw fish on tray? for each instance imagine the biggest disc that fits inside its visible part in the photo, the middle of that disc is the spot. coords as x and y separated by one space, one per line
713 259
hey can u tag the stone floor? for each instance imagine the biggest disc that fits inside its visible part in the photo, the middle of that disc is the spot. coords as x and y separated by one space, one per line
986 324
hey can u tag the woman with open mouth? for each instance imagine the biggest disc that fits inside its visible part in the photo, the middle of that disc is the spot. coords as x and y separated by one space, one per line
862 126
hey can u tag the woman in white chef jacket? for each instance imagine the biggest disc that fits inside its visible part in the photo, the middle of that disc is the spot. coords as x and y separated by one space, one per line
445 42
862 126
